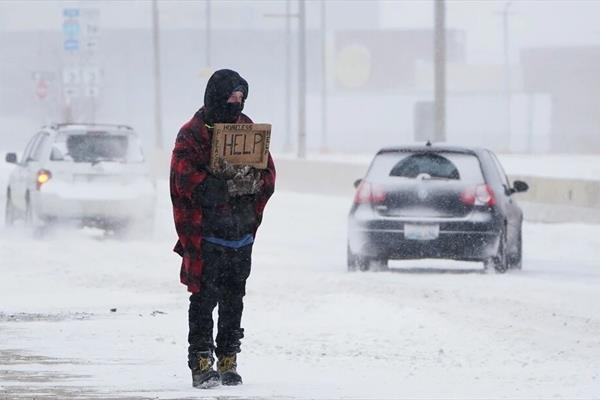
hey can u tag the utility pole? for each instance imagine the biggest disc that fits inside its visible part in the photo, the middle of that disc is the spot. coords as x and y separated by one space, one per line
301 15
288 15
324 144
440 70
301 150
157 77
207 35
288 76
507 77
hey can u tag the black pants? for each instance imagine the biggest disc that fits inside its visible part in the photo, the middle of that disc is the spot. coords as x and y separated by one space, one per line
223 282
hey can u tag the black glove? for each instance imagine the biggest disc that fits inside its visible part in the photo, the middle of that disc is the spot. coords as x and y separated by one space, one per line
247 181
226 170
211 192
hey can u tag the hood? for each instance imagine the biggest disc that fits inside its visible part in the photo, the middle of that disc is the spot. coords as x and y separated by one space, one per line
218 89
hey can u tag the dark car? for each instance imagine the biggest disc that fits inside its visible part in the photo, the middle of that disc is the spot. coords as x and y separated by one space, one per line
435 202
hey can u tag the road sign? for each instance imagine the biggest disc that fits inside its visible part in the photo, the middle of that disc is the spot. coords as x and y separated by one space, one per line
71 45
71 77
71 12
91 76
41 89
81 32
71 28
91 91
71 92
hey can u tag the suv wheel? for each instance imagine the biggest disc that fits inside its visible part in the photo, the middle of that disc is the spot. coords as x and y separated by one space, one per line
28 211
31 218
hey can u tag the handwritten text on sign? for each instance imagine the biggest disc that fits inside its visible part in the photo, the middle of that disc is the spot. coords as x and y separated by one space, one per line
241 144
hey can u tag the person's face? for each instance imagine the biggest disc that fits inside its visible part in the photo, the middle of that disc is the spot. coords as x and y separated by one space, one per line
236 97
230 111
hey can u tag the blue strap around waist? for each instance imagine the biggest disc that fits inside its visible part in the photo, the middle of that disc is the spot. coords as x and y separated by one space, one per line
232 244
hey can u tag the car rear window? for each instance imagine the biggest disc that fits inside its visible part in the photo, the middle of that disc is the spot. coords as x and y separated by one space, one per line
96 146
450 166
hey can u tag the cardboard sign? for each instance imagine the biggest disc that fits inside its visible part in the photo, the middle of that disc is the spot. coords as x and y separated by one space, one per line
241 144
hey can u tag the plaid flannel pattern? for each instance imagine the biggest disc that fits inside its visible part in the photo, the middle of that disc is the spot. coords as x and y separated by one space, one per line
189 165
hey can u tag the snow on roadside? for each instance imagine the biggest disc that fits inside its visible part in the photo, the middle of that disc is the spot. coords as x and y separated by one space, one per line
312 330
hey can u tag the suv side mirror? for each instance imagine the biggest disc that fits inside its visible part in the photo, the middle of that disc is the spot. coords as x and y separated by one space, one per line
11 158
357 183
519 187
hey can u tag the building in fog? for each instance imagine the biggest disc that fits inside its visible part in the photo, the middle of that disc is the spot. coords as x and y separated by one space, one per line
569 76
92 61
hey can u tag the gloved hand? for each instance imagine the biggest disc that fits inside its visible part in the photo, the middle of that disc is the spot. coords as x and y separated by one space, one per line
212 192
227 170
246 181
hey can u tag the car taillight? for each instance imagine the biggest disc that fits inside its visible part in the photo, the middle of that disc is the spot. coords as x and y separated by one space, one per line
480 195
43 176
368 193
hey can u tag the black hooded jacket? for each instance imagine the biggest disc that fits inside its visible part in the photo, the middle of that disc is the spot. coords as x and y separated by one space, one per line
224 217
218 89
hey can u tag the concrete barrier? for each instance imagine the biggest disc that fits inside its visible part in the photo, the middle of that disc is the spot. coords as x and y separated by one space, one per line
548 199
565 192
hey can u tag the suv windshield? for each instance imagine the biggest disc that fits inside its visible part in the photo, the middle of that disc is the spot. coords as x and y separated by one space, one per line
96 146
448 166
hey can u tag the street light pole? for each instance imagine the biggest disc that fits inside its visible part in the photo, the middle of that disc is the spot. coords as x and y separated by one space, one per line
324 145
288 76
208 29
507 77
157 77
301 15
301 151
440 70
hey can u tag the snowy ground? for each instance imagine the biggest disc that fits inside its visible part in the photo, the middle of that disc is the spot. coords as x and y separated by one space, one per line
427 330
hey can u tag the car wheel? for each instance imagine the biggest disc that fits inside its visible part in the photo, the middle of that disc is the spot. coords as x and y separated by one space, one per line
379 264
363 263
28 212
516 259
31 219
9 211
351 260
373 264
500 261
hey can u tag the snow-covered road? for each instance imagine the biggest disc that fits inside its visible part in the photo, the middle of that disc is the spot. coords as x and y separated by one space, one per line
426 330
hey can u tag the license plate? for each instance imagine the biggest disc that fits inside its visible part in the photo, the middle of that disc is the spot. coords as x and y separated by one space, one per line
421 231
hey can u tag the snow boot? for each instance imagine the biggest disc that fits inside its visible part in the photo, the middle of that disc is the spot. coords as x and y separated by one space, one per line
226 366
203 374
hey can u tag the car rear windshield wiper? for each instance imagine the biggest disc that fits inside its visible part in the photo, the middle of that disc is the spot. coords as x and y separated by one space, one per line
427 177
437 178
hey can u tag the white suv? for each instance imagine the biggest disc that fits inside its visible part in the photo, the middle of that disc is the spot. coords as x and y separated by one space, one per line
92 173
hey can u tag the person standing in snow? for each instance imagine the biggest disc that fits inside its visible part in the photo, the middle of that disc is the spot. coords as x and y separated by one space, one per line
216 217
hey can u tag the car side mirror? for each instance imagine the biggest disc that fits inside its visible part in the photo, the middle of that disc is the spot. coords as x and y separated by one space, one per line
519 187
357 183
11 158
